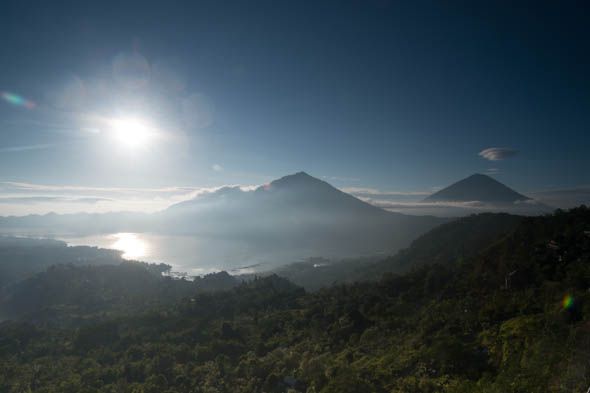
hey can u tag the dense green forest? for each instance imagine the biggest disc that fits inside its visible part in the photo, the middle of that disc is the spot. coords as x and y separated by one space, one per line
477 310
21 258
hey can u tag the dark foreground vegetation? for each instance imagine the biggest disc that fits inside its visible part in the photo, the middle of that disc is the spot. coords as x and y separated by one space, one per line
510 314
21 258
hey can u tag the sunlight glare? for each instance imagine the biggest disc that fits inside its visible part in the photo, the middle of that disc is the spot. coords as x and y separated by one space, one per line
132 133
131 244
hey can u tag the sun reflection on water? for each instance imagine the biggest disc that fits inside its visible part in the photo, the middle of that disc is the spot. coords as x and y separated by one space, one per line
130 244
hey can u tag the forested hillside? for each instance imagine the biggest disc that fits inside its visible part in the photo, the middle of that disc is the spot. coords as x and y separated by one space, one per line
513 318
452 242
70 295
21 258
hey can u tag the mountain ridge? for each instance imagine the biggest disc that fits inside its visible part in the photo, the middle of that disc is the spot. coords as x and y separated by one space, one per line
301 183
301 210
477 187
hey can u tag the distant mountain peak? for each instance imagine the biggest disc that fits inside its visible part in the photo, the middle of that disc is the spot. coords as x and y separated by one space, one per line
477 187
298 176
298 179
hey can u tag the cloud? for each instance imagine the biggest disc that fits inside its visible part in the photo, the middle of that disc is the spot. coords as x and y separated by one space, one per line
22 198
497 153
492 171
459 208
217 168
388 204
416 207
24 186
172 192
376 192
54 199
51 126
16 149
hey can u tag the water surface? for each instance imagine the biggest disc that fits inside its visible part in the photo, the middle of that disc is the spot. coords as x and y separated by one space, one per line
190 254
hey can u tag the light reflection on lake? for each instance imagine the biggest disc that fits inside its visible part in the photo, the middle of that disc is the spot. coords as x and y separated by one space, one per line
190 254
131 244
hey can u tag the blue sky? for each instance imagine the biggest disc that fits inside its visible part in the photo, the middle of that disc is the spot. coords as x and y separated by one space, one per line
374 94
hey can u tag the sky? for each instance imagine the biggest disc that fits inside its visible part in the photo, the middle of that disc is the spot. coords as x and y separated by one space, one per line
133 106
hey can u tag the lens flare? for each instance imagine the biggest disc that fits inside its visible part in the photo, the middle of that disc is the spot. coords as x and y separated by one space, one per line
17 100
568 302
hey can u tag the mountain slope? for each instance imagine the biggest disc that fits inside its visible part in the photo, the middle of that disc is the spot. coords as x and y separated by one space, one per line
480 188
446 244
296 212
450 243
297 191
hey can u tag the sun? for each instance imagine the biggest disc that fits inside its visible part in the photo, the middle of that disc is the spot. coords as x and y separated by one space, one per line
132 133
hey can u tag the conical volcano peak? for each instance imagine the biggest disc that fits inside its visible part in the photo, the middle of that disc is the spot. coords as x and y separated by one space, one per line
477 187
298 176
298 179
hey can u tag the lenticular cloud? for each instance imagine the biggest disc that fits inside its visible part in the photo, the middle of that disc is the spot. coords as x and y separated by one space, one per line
497 153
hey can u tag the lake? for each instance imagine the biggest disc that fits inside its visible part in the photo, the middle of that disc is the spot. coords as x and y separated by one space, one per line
191 254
